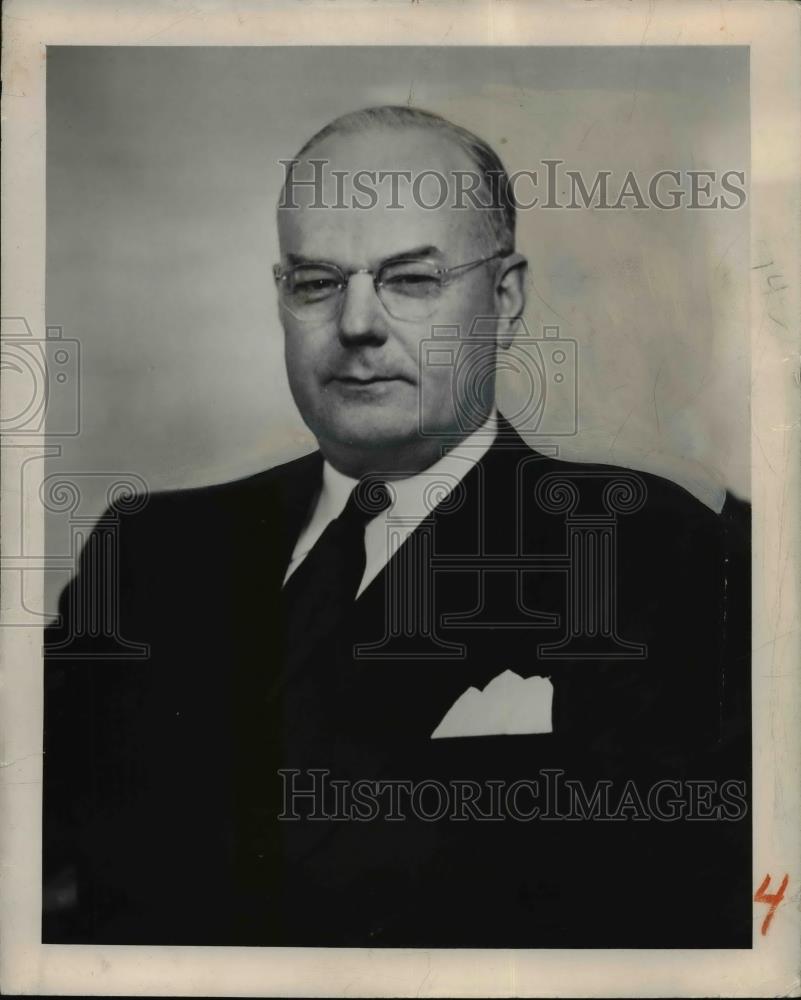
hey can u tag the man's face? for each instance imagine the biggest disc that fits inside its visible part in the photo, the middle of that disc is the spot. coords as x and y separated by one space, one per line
357 378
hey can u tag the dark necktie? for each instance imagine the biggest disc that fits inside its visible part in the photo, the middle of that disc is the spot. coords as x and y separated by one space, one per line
318 604
319 596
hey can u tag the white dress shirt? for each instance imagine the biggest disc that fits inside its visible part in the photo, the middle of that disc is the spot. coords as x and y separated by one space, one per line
413 499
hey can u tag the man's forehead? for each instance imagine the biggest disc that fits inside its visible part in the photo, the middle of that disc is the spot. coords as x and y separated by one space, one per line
355 238
380 192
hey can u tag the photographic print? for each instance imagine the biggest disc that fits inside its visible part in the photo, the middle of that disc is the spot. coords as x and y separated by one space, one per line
388 433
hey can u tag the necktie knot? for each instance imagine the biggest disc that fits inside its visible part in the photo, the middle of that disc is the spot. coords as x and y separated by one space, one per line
319 595
368 498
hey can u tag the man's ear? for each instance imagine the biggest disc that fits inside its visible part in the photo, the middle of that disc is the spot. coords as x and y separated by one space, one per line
510 296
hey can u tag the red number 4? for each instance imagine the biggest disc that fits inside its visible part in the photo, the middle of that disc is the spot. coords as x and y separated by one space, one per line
771 898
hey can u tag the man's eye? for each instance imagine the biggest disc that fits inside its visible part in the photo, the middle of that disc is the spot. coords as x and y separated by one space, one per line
315 286
416 283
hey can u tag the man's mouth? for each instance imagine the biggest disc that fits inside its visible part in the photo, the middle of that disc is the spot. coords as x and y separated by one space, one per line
365 380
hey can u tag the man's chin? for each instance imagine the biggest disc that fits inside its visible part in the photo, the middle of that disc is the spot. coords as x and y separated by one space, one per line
379 445
375 434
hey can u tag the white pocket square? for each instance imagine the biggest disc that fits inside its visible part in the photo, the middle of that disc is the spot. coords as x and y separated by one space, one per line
508 706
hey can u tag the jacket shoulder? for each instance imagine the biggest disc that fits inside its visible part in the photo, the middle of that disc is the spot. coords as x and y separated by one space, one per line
182 506
276 477
620 489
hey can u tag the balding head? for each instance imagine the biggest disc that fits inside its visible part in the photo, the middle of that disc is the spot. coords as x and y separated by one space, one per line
477 179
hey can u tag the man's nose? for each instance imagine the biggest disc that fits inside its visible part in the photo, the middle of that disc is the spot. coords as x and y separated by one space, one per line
362 317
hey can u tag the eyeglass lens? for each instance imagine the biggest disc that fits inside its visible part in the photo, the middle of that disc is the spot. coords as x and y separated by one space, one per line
408 289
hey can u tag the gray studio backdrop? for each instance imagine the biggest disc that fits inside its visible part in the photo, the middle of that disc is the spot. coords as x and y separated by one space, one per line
162 177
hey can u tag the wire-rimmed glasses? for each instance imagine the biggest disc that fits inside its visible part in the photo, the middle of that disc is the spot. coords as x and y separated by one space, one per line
408 289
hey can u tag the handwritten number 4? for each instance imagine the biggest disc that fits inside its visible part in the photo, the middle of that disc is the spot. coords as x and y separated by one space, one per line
771 898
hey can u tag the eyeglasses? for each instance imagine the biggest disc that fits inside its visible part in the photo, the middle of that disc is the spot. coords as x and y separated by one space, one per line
408 289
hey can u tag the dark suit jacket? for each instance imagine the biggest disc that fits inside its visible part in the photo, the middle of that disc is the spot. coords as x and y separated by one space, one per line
161 773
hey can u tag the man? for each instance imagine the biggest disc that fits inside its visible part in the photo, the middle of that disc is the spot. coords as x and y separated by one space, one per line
424 606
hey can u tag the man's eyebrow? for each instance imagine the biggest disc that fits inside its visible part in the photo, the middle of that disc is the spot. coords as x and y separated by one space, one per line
414 253
298 258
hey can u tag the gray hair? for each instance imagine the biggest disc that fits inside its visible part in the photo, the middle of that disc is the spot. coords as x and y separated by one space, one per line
496 191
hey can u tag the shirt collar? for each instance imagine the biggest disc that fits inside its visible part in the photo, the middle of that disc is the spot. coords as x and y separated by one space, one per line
415 495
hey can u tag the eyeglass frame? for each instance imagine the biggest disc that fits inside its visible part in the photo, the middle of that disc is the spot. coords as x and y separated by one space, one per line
281 274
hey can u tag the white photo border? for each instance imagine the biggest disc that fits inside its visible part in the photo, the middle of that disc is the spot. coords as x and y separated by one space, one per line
771 968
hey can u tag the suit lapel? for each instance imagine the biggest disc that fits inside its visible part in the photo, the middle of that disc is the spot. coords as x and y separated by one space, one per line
479 517
298 493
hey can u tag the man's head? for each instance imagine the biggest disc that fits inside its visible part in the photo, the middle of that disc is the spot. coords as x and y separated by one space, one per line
355 351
